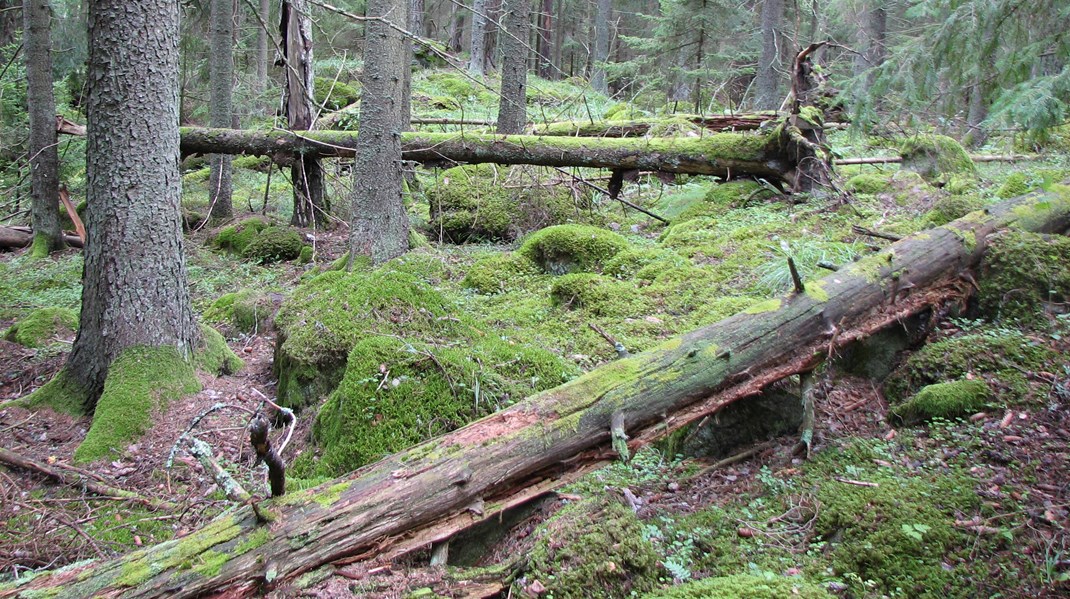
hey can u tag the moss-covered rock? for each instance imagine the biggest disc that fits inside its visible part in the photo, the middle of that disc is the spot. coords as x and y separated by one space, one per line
630 262
741 586
141 381
274 244
237 237
247 311
720 198
333 95
400 390
999 355
572 248
936 157
951 207
592 548
213 355
945 400
596 294
1024 277
623 112
1016 184
305 257
869 183
42 325
486 202
498 273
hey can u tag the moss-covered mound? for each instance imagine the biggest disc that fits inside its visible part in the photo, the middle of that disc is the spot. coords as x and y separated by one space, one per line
486 202
1000 356
720 198
630 262
945 400
951 207
572 248
494 274
399 390
333 95
141 381
593 548
237 237
1025 276
274 244
214 356
742 586
936 157
41 325
325 318
596 294
247 311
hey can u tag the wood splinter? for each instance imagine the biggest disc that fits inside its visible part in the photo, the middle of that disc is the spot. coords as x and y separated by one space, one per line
619 437
795 278
258 437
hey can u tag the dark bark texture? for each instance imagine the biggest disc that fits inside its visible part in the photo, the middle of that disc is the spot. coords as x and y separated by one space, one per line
601 45
767 78
306 173
262 46
544 65
44 159
479 37
221 80
134 285
9 23
380 226
432 491
512 102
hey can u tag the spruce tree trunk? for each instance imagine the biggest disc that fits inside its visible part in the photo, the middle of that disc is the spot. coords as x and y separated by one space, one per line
306 174
262 55
767 78
416 18
134 289
479 35
602 18
512 104
44 159
490 35
9 23
380 226
456 29
221 81
544 50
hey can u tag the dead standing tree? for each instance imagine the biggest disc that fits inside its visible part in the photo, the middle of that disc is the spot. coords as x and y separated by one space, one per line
305 171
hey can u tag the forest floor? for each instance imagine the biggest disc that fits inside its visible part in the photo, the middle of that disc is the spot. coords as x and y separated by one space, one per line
974 505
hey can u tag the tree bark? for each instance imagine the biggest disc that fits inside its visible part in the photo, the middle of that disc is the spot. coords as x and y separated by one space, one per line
479 38
767 78
9 24
262 47
512 105
306 173
602 18
134 289
456 30
544 65
438 488
41 105
12 237
221 81
380 226
718 123
490 34
416 18
723 155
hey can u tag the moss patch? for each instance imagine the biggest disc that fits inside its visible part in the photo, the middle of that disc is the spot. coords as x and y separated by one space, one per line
630 262
744 585
596 294
333 95
869 183
61 394
1016 184
247 311
41 325
1022 275
498 272
140 381
952 207
214 356
721 197
572 248
935 157
593 548
945 400
274 244
236 238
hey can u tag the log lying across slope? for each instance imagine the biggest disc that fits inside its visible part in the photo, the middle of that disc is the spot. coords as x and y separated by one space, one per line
442 486
721 154
637 128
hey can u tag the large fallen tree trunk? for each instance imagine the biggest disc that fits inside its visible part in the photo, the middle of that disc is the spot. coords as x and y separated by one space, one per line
20 237
723 154
432 491
638 128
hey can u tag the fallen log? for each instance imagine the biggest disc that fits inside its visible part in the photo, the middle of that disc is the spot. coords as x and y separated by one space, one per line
440 487
974 157
639 128
723 155
20 237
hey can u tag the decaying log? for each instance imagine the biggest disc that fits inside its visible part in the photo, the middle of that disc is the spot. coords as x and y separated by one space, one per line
974 157
20 237
723 154
438 488
638 128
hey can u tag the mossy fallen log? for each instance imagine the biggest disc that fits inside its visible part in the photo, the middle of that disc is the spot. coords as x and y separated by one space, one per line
431 491
758 154
639 128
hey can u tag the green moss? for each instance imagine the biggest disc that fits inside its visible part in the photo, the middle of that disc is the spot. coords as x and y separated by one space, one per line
961 184
399 390
237 237
936 157
274 244
628 263
869 183
248 310
213 356
61 394
595 294
593 548
210 563
622 112
486 202
771 305
1016 184
1022 275
140 381
334 95
41 325
952 207
572 248
720 198
42 246
187 552
744 585
305 257
498 273
945 400
815 290
331 495
998 354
